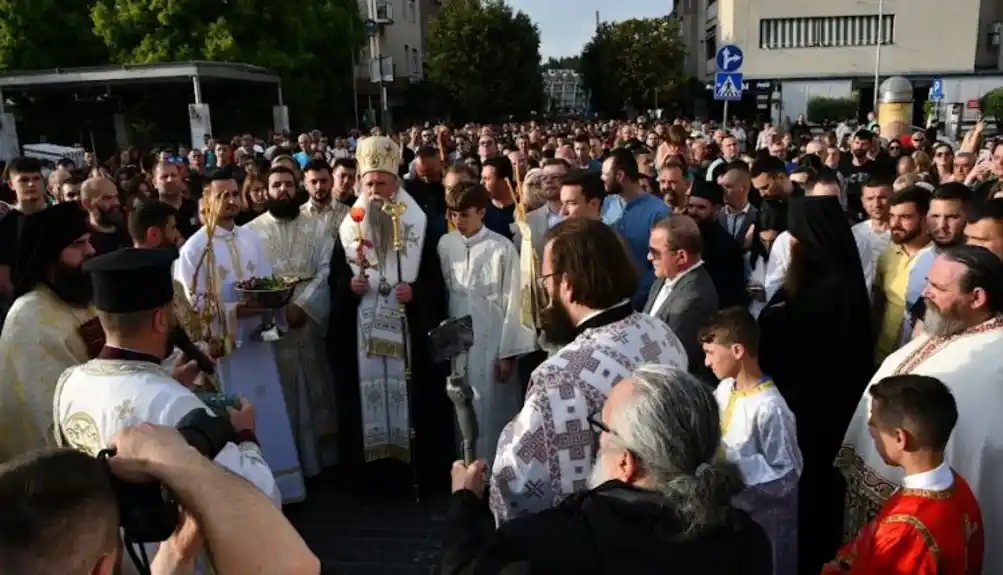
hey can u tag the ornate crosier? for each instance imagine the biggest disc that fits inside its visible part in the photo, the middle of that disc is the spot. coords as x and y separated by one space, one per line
395 209
208 303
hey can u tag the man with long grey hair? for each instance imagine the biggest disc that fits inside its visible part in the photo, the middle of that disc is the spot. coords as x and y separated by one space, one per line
659 497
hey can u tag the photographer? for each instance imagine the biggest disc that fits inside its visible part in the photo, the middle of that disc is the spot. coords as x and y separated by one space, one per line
61 516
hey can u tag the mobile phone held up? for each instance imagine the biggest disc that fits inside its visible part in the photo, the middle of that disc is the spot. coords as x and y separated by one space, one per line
219 402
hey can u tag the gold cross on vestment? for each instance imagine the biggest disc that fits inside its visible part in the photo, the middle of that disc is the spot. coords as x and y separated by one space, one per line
395 210
251 267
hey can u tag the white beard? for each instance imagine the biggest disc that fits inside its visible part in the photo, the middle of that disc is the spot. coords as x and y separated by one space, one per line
598 476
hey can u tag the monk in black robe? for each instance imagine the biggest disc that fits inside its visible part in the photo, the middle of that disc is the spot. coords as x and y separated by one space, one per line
816 345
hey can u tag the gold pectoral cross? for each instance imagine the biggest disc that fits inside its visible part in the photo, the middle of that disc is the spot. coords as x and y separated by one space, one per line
395 210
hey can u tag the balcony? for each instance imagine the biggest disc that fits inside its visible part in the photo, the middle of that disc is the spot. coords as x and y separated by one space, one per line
384 14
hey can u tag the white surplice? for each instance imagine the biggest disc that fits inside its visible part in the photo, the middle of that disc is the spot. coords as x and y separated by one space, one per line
250 370
759 435
100 398
382 337
302 248
545 453
482 275
971 365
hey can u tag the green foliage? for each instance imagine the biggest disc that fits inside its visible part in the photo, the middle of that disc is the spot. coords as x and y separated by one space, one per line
991 104
634 62
567 63
486 59
310 46
43 34
831 109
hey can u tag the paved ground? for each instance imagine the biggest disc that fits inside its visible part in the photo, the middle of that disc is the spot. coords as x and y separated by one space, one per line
354 536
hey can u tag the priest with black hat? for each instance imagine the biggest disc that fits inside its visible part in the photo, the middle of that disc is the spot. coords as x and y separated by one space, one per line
723 255
126 384
50 326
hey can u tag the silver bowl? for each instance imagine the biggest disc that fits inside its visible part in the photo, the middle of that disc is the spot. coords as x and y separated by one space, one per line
267 299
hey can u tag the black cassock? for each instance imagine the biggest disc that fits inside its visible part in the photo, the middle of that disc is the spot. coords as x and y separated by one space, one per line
434 447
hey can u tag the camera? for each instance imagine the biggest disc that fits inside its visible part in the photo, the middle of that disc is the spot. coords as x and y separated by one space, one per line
148 512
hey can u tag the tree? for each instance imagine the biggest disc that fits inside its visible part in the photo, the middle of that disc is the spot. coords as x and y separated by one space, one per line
486 58
991 104
44 34
567 63
826 110
635 62
310 46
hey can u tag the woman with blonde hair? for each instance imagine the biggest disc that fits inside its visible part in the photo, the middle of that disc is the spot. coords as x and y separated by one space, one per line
253 196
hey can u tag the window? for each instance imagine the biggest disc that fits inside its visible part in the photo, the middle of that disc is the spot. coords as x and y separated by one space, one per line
407 58
412 12
710 43
826 32
416 62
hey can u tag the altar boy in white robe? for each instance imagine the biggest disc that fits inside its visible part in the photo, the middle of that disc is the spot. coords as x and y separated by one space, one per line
249 369
481 269
300 246
758 432
126 384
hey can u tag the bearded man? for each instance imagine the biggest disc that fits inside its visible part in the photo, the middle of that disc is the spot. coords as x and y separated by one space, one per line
300 246
99 196
383 303
962 345
322 205
50 327
545 453
249 369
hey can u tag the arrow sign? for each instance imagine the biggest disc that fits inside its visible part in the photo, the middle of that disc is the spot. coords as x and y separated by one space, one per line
729 59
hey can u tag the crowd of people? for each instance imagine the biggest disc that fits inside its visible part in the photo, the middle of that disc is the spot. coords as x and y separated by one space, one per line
729 349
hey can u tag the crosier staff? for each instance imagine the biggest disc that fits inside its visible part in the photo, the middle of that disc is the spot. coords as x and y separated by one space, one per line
395 210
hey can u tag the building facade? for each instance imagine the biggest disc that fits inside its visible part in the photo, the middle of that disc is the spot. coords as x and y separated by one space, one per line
564 92
400 40
831 48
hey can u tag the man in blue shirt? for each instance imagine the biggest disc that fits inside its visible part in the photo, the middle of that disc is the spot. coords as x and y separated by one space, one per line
641 211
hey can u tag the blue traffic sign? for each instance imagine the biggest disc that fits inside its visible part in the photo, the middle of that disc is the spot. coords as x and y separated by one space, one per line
729 59
937 90
728 86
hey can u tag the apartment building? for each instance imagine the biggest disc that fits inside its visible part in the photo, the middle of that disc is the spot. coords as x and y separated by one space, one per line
796 50
564 92
400 30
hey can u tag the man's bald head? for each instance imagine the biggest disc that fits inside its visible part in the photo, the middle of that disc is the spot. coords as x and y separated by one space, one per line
95 188
814 147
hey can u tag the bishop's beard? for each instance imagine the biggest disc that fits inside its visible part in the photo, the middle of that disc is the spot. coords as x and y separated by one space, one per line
283 208
557 325
72 285
381 227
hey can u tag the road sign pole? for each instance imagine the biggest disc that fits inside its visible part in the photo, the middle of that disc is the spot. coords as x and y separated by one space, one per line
724 122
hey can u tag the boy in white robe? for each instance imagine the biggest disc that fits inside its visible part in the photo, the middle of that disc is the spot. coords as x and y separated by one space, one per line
481 269
758 432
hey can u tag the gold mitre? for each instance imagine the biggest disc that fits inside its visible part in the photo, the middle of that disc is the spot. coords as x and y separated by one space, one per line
378 154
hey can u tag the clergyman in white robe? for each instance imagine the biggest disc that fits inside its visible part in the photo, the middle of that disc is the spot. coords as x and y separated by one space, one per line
302 248
482 275
546 452
100 398
971 365
250 369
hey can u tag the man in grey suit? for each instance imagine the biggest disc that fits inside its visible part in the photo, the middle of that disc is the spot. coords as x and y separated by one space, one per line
683 295
738 214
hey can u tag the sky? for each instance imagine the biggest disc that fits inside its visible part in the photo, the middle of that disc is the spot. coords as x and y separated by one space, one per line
567 25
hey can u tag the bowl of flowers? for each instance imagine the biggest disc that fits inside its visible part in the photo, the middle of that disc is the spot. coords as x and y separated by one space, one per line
269 292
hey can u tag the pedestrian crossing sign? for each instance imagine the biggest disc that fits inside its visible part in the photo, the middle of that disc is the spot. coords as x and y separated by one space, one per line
728 86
